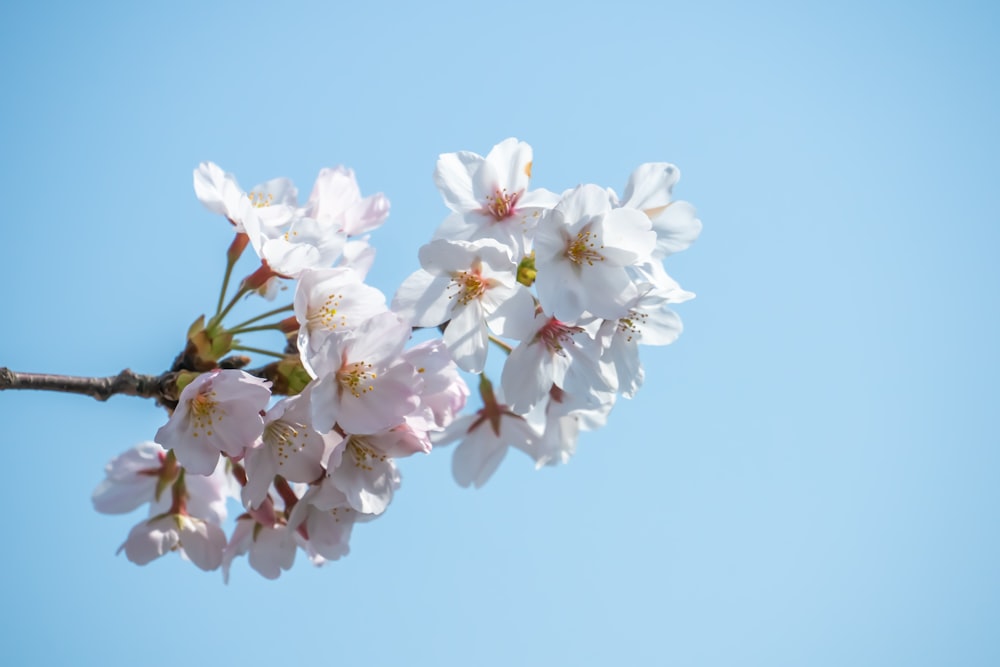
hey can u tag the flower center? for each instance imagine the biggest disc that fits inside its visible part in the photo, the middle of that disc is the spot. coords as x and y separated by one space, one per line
259 199
284 438
471 285
556 334
325 316
364 455
501 204
584 248
203 413
630 326
356 378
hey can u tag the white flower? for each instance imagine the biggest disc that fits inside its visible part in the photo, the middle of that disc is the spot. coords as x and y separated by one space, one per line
484 438
218 411
472 286
443 390
331 302
289 446
202 542
364 384
326 519
132 479
675 222
364 473
583 250
556 354
648 321
336 200
220 193
271 548
490 195
293 244
204 496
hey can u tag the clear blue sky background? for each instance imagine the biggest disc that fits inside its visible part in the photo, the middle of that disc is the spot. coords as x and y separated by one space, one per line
809 476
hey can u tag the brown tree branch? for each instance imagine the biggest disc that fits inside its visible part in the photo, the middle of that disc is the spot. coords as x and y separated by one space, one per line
128 383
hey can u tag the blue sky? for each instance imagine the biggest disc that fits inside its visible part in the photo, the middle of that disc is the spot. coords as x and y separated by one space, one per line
808 477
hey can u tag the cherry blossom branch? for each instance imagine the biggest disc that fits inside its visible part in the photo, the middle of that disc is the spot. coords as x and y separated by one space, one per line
127 383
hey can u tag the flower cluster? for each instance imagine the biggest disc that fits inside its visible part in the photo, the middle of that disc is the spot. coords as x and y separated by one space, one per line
565 286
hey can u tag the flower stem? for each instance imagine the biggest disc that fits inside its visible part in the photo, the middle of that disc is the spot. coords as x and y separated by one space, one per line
232 254
502 345
276 311
240 293
257 350
262 327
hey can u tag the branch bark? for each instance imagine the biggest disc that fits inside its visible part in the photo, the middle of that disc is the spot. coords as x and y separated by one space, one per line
128 383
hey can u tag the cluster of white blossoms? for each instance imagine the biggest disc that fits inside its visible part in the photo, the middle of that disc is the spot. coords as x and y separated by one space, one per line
565 286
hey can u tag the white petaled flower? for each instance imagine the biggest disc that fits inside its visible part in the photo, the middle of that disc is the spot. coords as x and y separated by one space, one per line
202 542
558 354
293 244
364 473
473 286
648 322
358 254
220 193
331 302
131 479
364 384
489 195
204 496
326 519
484 438
583 250
218 411
289 446
557 442
271 548
443 390
649 190
336 199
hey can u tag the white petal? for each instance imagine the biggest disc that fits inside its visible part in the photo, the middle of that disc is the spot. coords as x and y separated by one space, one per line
676 227
453 177
477 458
467 338
423 300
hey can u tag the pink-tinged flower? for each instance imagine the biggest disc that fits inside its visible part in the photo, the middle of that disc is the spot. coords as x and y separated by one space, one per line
675 223
490 195
484 438
204 496
326 519
583 251
473 286
443 391
292 245
218 411
556 354
336 199
289 446
364 473
271 548
359 255
202 542
364 384
132 479
331 302
220 193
